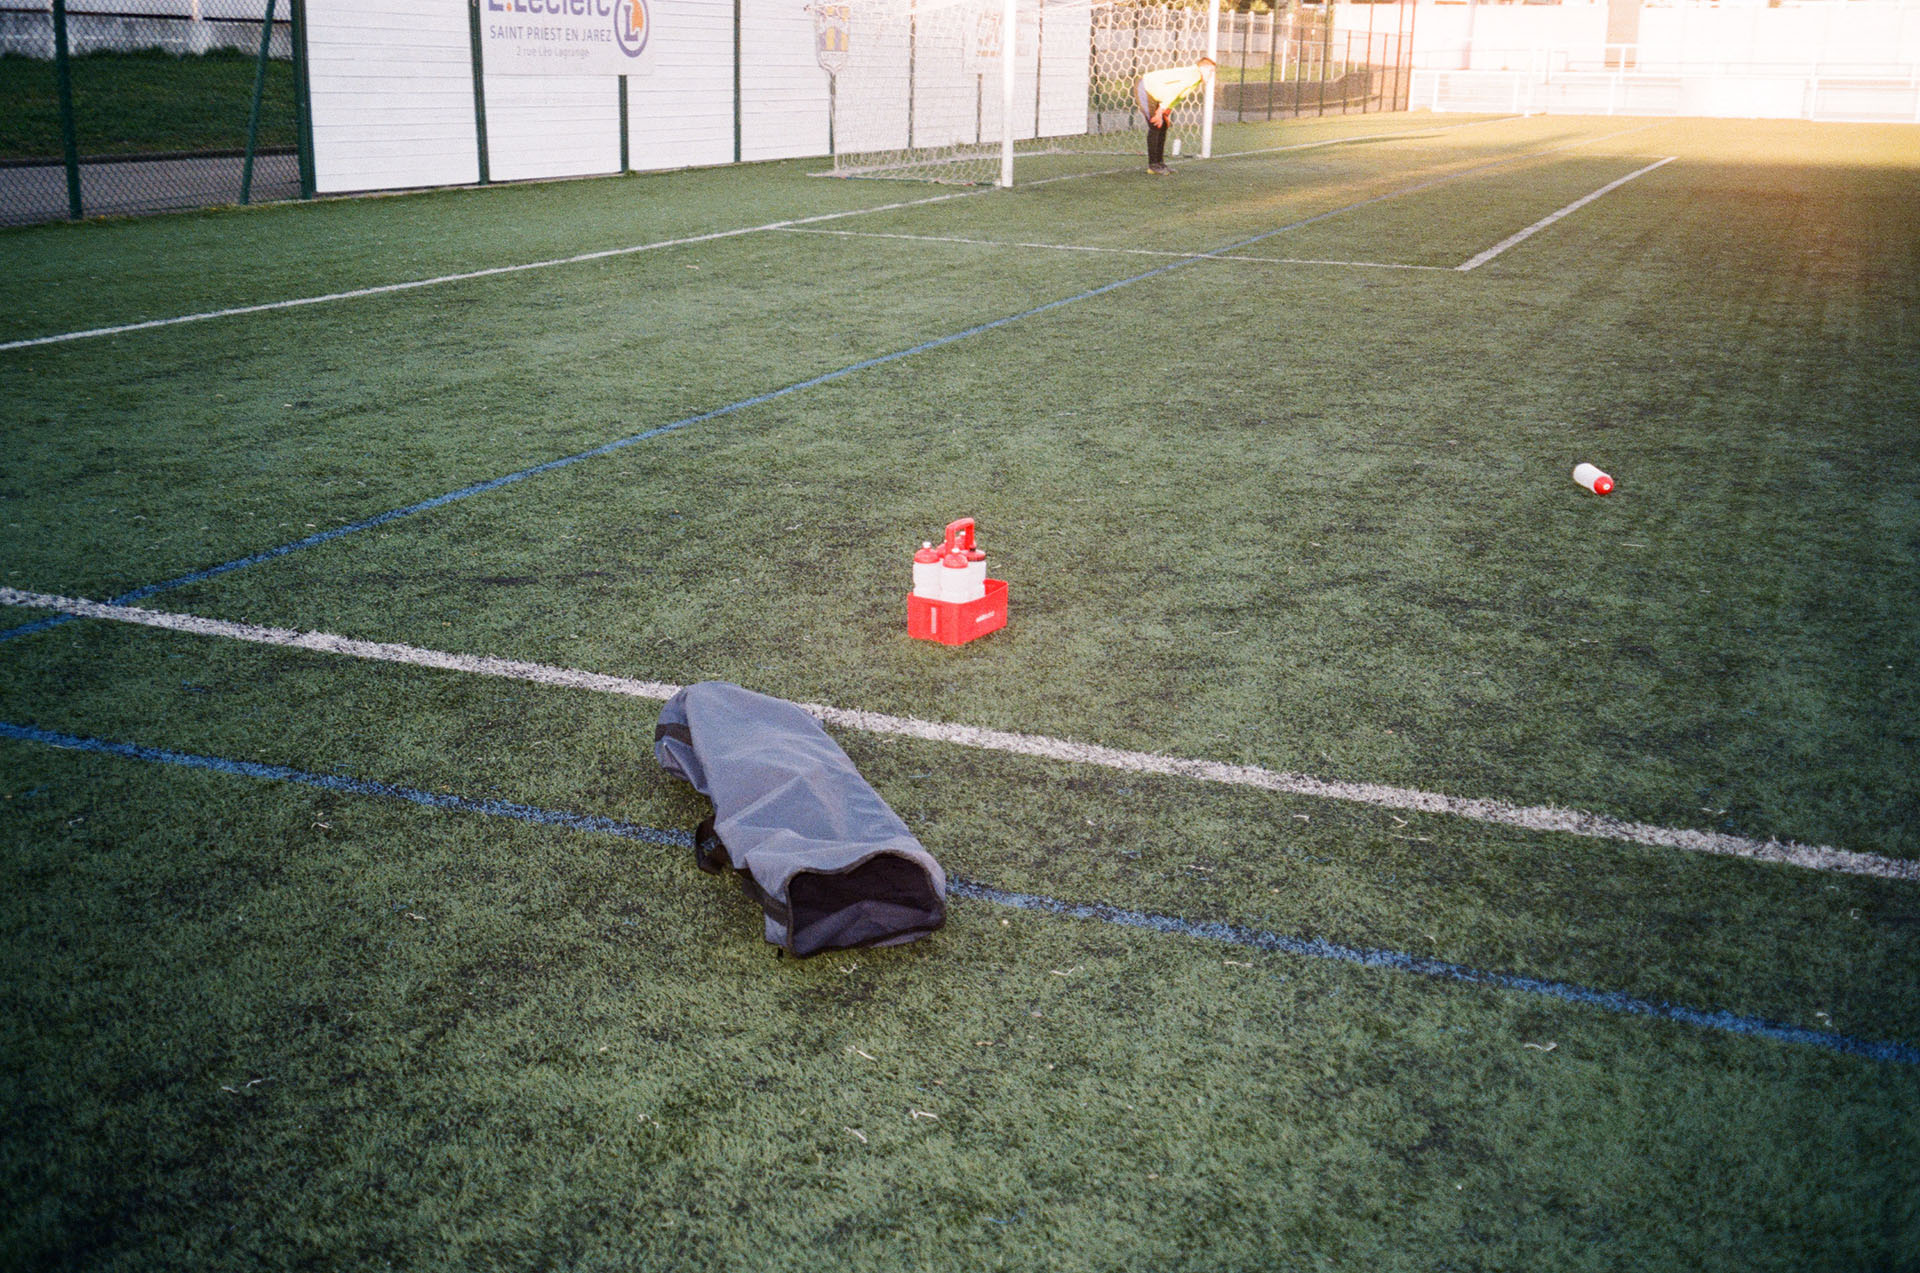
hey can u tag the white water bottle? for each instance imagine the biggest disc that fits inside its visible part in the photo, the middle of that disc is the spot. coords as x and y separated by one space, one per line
976 574
956 583
1592 478
927 572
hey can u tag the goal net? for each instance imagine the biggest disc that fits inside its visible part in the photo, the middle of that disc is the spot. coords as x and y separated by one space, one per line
919 88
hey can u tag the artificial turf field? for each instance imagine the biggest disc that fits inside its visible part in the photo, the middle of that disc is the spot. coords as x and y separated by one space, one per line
1406 859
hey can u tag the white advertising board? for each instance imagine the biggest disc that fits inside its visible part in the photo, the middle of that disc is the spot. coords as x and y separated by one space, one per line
567 37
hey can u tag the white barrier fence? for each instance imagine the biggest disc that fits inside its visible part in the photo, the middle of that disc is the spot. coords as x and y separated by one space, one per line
1839 60
394 103
1671 38
1758 92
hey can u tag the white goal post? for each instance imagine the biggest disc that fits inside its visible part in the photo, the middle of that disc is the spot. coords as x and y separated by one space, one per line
960 90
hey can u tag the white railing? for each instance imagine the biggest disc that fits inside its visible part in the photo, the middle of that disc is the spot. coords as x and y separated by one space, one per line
1556 82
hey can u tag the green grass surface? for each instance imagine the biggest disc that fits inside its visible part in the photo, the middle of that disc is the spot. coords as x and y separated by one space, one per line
143 103
1315 517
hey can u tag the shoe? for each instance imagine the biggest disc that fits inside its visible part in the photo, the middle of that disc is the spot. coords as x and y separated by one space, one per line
1159 170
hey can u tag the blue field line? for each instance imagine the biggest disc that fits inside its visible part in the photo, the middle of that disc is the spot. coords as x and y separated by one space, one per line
1214 931
1401 961
481 488
491 484
349 786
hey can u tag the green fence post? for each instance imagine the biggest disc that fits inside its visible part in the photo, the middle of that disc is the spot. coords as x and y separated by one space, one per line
1326 58
1245 31
1039 63
63 79
1403 55
259 88
479 89
626 164
736 81
1346 75
1273 42
1383 49
302 98
1300 55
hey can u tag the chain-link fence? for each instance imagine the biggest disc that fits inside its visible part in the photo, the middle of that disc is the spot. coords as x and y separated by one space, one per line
1293 61
116 107
1281 62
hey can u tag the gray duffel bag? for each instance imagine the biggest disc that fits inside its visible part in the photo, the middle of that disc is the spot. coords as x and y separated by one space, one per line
828 861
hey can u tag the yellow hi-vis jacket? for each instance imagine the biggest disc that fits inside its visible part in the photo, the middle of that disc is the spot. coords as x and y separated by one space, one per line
1169 86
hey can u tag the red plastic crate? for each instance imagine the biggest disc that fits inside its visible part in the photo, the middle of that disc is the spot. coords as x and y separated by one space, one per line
958 622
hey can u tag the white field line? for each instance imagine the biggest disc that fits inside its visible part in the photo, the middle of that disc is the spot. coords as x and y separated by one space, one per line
1336 141
1512 239
1240 154
384 289
327 643
1264 260
1081 247
1414 133
1527 817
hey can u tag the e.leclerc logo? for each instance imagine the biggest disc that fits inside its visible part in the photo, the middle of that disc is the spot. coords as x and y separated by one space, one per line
631 26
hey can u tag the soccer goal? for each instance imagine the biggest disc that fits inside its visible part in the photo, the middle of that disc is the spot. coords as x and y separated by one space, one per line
935 90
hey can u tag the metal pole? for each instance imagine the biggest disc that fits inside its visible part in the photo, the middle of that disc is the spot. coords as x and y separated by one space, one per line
1246 39
1273 36
736 81
1403 57
1326 56
1128 88
1368 101
479 89
1039 62
1296 48
1391 100
1009 28
1233 24
302 98
63 80
626 162
1213 51
253 116
1346 75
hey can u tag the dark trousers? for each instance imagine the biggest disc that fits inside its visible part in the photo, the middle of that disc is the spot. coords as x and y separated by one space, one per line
1156 137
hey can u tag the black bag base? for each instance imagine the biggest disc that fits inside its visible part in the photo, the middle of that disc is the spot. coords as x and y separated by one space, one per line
887 900
884 901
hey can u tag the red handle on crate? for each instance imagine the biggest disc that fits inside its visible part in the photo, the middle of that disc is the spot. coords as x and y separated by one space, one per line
960 535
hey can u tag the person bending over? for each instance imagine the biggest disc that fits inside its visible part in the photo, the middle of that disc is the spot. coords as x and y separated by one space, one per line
1156 93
